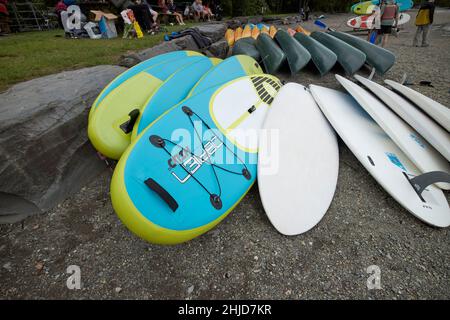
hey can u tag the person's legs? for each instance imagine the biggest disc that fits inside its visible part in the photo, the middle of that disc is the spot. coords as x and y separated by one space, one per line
417 36
180 16
426 33
154 16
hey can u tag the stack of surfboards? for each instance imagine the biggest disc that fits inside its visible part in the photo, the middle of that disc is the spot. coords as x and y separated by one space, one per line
297 48
402 147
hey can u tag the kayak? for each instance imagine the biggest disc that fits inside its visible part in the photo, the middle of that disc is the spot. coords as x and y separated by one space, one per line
323 58
350 58
246 46
379 58
297 56
273 57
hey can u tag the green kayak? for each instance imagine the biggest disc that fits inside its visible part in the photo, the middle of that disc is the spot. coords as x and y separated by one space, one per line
350 58
379 58
323 58
246 46
297 56
271 54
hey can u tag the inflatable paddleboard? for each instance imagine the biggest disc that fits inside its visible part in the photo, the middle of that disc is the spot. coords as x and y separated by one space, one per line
189 169
229 36
229 69
361 22
124 76
302 30
238 34
272 31
424 125
367 22
439 112
417 149
247 31
255 33
176 88
296 181
381 156
110 126
366 7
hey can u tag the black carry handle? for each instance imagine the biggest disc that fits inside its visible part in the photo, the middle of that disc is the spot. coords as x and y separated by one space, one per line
127 127
420 183
162 193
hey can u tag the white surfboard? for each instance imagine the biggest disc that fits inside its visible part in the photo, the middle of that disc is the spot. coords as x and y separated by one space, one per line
439 112
424 125
298 162
381 156
418 150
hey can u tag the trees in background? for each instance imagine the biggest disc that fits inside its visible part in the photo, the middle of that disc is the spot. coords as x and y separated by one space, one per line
258 7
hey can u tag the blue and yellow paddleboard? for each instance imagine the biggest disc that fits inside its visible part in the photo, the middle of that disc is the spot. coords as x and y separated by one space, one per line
124 76
191 167
112 121
181 85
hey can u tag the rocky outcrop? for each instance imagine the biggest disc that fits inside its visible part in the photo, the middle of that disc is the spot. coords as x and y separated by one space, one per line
214 31
45 155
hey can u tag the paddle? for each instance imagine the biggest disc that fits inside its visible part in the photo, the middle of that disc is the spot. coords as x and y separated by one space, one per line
322 25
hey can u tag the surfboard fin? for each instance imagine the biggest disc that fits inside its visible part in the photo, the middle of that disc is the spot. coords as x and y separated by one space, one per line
420 183
127 126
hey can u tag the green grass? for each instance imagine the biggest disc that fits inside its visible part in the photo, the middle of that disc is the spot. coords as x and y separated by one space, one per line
33 54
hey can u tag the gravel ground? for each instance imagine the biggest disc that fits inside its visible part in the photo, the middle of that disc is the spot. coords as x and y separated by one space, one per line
244 257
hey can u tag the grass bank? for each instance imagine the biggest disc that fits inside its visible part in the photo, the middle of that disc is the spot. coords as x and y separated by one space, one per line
33 54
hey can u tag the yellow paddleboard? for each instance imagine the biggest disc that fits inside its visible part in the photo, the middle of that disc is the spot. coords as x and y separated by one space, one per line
255 33
229 36
303 30
272 31
247 31
237 34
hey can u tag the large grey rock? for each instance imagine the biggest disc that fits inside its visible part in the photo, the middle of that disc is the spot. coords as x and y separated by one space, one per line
239 21
45 154
184 43
219 49
214 31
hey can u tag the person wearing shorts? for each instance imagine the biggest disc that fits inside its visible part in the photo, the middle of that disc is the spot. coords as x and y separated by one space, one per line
389 18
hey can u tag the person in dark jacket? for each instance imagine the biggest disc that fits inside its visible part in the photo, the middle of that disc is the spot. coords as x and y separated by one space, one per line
424 20
142 15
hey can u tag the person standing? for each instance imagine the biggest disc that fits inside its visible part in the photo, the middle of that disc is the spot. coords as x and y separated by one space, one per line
374 33
389 17
424 20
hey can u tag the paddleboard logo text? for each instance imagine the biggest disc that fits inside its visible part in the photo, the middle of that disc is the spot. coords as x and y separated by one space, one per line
191 162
